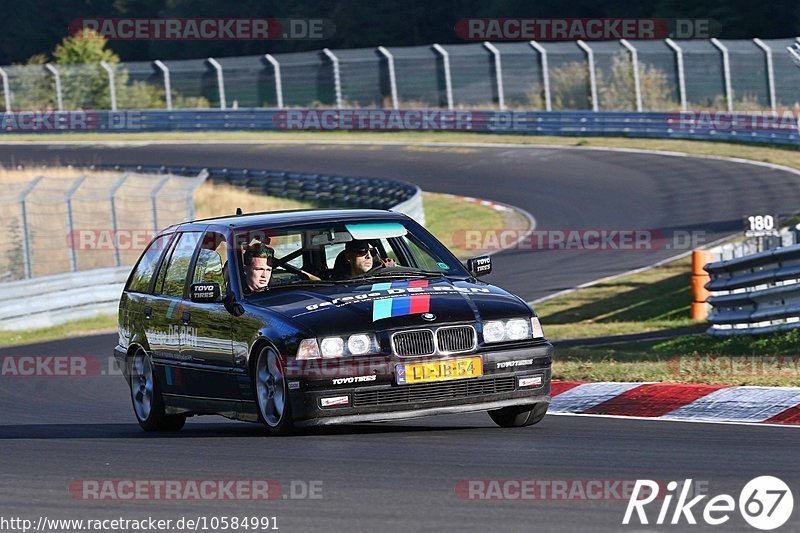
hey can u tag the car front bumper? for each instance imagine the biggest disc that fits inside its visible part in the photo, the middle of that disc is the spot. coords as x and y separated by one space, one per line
502 384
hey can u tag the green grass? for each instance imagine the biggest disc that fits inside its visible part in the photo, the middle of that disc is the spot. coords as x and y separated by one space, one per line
654 300
89 326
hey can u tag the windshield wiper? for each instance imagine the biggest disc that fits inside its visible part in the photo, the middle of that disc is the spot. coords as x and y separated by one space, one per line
400 274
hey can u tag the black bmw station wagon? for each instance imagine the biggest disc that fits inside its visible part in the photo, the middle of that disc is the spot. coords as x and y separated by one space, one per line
311 317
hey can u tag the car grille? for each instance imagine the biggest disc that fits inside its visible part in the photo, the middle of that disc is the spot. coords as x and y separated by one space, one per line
418 342
456 339
432 392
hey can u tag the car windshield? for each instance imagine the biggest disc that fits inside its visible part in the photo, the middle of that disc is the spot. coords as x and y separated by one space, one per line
341 252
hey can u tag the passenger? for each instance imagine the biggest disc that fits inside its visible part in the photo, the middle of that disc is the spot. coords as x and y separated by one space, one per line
258 268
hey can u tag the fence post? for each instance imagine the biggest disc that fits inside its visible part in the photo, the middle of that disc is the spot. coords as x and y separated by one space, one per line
337 79
447 81
548 106
198 181
770 72
220 81
636 81
112 90
112 198
592 78
681 80
392 80
726 71
276 67
153 202
167 84
57 77
6 90
498 71
73 259
26 234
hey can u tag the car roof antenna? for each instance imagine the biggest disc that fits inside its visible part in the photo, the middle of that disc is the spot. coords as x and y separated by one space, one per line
238 211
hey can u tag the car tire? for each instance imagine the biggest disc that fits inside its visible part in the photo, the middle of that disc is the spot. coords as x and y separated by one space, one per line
272 393
519 416
148 405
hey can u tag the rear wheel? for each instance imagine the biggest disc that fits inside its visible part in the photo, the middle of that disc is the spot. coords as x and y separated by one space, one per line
148 405
274 406
519 416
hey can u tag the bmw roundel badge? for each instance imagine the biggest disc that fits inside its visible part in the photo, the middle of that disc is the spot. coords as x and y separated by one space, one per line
430 317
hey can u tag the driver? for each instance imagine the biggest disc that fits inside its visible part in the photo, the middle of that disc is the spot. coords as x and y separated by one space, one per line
258 268
359 256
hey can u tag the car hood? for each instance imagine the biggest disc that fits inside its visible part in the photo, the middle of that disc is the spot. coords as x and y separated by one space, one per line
391 304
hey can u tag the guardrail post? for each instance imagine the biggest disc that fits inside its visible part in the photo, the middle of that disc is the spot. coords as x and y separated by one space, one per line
167 84
26 234
548 106
447 81
57 77
592 78
699 309
770 72
498 71
153 199
726 71
337 79
392 80
6 90
276 67
681 79
220 81
73 259
112 198
637 85
112 90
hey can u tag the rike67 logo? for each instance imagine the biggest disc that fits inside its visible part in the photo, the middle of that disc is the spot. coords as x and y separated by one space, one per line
765 503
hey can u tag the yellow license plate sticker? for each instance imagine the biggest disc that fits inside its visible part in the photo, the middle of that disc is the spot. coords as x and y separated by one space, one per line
466 367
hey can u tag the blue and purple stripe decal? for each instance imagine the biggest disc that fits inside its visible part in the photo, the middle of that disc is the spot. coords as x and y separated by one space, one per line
413 304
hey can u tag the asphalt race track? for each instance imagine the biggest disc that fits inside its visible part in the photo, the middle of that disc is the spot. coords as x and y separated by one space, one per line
408 475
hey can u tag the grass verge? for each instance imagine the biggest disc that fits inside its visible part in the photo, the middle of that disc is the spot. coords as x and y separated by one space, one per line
77 328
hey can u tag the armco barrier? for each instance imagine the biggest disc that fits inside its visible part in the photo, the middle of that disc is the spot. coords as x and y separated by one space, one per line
739 126
758 293
51 300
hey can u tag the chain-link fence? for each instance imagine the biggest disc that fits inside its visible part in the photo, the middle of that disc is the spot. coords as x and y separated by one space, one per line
609 75
96 220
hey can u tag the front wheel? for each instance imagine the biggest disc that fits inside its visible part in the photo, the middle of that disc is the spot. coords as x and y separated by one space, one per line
146 397
274 406
519 416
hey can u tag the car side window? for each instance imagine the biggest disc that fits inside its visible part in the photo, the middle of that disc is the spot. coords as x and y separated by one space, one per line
211 260
179 263
145 269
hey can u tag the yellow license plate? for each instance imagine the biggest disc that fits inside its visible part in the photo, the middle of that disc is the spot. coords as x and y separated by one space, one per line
467 367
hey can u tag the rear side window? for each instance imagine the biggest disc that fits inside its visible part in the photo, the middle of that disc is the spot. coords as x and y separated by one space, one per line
211 260
179 263
140 281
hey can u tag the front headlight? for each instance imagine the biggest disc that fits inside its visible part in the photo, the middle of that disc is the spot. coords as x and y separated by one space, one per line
515 329
332 347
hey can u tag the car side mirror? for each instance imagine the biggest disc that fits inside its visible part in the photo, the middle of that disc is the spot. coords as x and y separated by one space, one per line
207 292
479 266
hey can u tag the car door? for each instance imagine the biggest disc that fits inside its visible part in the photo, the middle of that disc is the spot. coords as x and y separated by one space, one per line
210 348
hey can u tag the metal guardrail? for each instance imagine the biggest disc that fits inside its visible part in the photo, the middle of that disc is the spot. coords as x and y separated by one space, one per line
755 294
736 127
51 300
